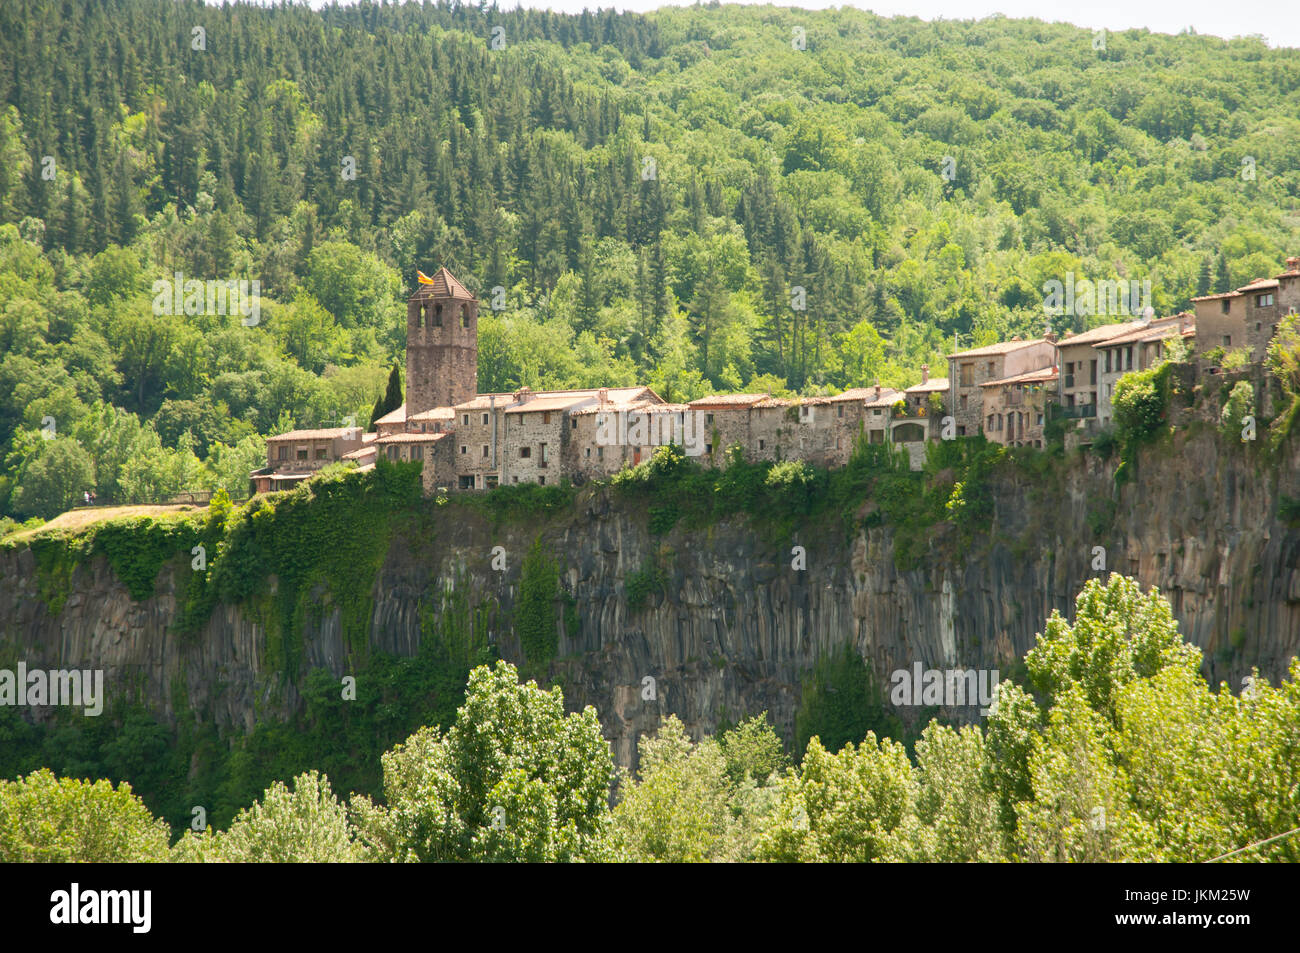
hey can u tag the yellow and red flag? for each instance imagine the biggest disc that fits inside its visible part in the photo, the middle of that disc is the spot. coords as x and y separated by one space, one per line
422 278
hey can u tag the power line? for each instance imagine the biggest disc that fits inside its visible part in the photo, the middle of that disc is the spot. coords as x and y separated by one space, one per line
1257 844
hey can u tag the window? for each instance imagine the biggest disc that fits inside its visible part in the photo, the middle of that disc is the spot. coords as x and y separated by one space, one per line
541 481
839 411
1263 301
961 430
546 416
464 419
1259 325
708 418
485 451
877 436
546 457
525 452
967 375
876 412
1093 378
485 420
573 423
990 422
1040 420
302 453
600 453
839 443
514 479
1225 305
961 401
464 316
762 445
467 481
1106 362
588 453
1227 340
284 453
437 316
990 368
321 453
1128 358
464 449
708 448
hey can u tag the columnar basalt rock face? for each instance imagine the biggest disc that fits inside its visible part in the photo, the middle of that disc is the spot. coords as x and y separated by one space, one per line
735 627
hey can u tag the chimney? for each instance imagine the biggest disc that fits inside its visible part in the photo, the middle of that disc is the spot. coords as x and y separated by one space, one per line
1293 263
1050 337
877 388
602 396
925 373
522 395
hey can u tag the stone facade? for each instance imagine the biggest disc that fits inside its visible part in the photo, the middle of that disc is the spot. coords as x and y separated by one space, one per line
1248 317
1134 350
441 345
967 370
1016 408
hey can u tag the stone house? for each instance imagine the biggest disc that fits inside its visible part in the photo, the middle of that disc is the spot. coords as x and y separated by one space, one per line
432 449
1080 374
877 410
607 435
1016 407
968 370
1248 317
1134 350
293 457
727 420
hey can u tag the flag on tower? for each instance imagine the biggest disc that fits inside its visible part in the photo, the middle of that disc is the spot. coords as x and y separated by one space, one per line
423 278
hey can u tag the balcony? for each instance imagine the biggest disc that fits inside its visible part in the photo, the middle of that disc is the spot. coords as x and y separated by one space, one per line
1081 412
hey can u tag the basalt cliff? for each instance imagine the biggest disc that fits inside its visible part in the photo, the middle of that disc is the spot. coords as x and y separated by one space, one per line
733 625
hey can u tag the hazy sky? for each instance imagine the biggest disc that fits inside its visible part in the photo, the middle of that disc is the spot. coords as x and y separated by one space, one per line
1278 21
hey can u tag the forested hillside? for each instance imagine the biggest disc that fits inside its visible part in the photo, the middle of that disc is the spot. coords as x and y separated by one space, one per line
648 192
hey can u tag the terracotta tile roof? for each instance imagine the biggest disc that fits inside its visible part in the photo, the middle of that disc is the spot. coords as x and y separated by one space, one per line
437 413
392 417
1259 284
1102 333
1039 376
1002 347
616 395
329 433
360 453
780 403
729 400
888 397
444 285
1222 294
643 406
1156 330
543 402
411 438
932 385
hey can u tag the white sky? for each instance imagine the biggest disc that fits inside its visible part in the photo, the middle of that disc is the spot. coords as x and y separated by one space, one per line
1278 21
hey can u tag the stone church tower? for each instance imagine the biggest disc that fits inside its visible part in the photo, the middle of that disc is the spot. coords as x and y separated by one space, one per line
441 345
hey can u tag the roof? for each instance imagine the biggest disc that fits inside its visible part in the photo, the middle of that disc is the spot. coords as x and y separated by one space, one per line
1259 284
852 394
1002 347
1040 376
329 433
888 397
1102 333
412 438
360 453
397 416
437 413
1222 294
444 285
933 384
1162 328
537 404
615 395
729 400
641 406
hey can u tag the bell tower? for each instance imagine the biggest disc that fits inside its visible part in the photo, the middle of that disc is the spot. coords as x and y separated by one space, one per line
441 344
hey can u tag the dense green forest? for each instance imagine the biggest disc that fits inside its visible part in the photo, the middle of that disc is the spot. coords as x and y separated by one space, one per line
637 198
